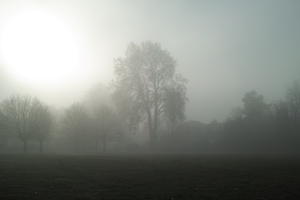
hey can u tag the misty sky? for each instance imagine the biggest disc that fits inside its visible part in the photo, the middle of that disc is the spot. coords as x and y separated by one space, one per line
224 48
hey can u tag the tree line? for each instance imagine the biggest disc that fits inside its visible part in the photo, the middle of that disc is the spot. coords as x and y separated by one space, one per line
262 126
146 91
255 127
26 118
147 98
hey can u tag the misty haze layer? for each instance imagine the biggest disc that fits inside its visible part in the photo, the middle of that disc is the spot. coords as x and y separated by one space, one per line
224 49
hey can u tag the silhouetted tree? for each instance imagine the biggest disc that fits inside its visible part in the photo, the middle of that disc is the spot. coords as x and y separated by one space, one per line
41 122
77 126
250 127
293 99
254 105
5 130
129 113
174 103
17 111
105 124
144 74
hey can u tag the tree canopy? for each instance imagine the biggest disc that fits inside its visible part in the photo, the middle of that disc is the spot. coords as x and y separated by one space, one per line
145 74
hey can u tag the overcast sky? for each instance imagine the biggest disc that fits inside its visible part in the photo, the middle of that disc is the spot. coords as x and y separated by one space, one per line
224 48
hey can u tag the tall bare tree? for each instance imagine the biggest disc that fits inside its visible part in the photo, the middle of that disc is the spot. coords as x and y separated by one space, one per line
17 111
105 125
144 73
5 130
41 122
77 126
254 105
174 102
129 113
293 99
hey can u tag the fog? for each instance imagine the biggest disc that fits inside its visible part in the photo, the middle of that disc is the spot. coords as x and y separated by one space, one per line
224 49
137 99
218 63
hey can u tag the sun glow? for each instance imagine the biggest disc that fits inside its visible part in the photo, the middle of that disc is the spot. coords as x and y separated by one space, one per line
38 48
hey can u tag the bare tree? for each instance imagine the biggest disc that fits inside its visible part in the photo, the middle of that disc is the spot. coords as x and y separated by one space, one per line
129 113
174 102
254 105
41 122
293 99
17 111
5 130
144 73
105 124
77 126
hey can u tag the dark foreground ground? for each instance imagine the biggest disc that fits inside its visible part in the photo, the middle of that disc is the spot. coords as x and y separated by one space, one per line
149 177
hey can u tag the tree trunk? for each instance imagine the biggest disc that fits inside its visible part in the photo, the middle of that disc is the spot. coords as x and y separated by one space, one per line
155 125
152 133
155 118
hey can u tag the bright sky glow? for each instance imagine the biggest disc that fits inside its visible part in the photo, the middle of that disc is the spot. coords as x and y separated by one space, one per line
38 48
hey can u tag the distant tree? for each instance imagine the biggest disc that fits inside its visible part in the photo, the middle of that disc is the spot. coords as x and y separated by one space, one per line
234 130
77 126
4 129
249 127
17 111
97 96
41 122
281 112
293 99
174 103
129 114
144 74
254 105
105 124
282 125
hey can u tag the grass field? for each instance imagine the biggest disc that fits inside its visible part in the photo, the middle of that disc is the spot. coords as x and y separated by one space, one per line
148 177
